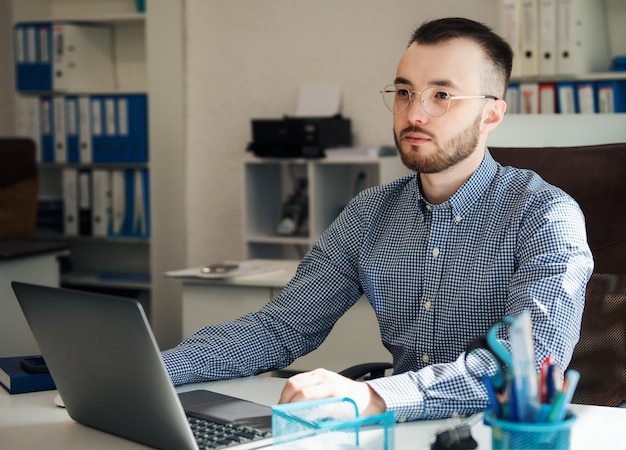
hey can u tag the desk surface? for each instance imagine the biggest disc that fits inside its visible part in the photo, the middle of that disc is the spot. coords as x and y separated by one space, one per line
284 271
29 421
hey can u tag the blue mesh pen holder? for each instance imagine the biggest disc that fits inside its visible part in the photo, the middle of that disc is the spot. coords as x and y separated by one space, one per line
509 435
331 423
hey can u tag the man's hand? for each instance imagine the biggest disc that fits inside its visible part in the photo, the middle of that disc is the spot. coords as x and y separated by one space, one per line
322 383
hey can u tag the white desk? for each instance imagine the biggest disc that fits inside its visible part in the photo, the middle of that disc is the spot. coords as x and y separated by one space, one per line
355 338
32 421
30 262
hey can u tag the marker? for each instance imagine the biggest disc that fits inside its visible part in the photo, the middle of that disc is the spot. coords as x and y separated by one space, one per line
563 398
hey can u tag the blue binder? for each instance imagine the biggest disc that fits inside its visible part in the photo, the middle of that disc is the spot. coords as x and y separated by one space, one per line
98 139
72 125
110 128
611 96
24 50
141 216
129 210
47 128
138 127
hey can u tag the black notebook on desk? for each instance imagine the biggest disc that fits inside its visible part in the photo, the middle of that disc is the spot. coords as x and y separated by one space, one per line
15 379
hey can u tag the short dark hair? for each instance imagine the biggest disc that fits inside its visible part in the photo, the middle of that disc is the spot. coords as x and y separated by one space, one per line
497 50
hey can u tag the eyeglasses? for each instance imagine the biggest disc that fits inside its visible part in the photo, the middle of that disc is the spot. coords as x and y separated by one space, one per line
434 101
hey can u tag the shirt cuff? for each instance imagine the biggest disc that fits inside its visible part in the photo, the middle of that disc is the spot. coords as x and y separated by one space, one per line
400 396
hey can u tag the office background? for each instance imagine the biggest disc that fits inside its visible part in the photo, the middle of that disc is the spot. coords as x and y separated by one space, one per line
245 59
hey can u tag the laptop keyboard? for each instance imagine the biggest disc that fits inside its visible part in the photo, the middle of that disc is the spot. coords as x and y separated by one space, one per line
212 435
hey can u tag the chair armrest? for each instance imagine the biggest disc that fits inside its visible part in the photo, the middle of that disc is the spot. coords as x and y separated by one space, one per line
360 371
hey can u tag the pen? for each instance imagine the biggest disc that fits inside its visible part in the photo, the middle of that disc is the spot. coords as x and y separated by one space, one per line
559 408
491 393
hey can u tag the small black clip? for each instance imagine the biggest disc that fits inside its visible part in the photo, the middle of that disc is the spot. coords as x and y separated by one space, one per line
457 438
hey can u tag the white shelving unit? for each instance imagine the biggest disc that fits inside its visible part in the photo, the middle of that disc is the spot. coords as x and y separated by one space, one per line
330 185
144 42
120 255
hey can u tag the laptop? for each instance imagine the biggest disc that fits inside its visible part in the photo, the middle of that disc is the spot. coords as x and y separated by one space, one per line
107 367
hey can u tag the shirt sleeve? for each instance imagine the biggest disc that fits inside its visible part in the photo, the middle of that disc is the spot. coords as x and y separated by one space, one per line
293 324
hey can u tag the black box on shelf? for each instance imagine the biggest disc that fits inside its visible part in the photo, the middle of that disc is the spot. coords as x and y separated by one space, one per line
297 137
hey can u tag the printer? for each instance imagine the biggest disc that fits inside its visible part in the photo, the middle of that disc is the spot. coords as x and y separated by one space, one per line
299 137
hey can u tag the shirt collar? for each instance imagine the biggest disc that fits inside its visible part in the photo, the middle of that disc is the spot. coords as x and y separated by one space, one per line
463 199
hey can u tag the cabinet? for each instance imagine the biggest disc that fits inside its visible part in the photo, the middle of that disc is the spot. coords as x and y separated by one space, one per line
330 184
142 43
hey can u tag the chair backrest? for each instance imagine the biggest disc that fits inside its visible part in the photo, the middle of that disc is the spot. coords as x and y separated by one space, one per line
18 188
595 176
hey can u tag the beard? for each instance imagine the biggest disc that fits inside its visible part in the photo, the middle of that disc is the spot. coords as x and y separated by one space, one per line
455 150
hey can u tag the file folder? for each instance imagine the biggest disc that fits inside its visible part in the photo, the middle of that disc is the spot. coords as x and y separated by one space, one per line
566 98
582 41
141 215
138 127
512 99
27 121
511 30
98 140
20 57
585 93
530 37
70 201
547 98
547 37
72 118
60 137
83 57
123 152
44 57
47 139
611 96
25 56
84 203
101 207
529 98
118 202
129 204
84 129
110 129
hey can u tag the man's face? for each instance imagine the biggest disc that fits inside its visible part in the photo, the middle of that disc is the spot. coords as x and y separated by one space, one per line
432 144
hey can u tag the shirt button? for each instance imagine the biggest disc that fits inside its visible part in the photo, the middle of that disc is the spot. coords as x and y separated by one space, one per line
457 218
425 358
435 252
421 219
427 305
429 207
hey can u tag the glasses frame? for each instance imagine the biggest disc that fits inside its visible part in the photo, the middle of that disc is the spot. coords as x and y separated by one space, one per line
412 95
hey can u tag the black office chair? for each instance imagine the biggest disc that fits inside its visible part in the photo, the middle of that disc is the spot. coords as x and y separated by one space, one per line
596 177
18 189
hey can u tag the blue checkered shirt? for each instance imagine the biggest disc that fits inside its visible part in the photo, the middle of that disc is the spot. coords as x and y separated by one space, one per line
437 276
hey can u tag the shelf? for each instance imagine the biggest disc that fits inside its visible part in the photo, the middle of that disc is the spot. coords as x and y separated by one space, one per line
95 281
600 76
275 239
330 186
121 165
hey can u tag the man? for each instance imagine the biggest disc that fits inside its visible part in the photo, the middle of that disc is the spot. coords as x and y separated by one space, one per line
441 255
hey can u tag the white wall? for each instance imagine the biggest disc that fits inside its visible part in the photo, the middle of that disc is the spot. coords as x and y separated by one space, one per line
245 60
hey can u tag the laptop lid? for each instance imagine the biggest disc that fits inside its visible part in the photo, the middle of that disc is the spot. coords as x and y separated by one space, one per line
107 367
